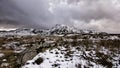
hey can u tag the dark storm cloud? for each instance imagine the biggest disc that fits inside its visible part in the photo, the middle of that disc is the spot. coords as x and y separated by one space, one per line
37 10
102 15
10 14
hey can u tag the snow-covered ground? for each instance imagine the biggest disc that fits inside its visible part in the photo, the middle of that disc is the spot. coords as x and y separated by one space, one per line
75 57
64 47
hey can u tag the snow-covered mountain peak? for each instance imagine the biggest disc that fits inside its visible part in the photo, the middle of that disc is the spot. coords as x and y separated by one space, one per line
63 29
58 29
61 26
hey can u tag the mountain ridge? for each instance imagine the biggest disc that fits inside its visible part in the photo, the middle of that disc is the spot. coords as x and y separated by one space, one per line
58 29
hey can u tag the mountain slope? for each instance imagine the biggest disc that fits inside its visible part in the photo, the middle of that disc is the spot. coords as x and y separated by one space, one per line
58 29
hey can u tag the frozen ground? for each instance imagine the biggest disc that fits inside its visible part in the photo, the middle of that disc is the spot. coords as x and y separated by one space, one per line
64 47
75 57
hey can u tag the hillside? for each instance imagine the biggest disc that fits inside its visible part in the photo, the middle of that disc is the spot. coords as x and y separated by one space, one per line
59 47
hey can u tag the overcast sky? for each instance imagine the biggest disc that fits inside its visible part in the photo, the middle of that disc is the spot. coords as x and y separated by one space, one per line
100 15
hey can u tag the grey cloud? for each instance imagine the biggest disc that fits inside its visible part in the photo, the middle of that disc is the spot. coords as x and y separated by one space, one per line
10 14
37 10
102 15
90 9
104 11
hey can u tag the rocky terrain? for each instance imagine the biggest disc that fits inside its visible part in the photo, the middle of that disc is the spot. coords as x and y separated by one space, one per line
59 47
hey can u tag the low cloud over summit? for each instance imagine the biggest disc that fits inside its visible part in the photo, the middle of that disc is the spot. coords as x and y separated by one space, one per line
101 15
